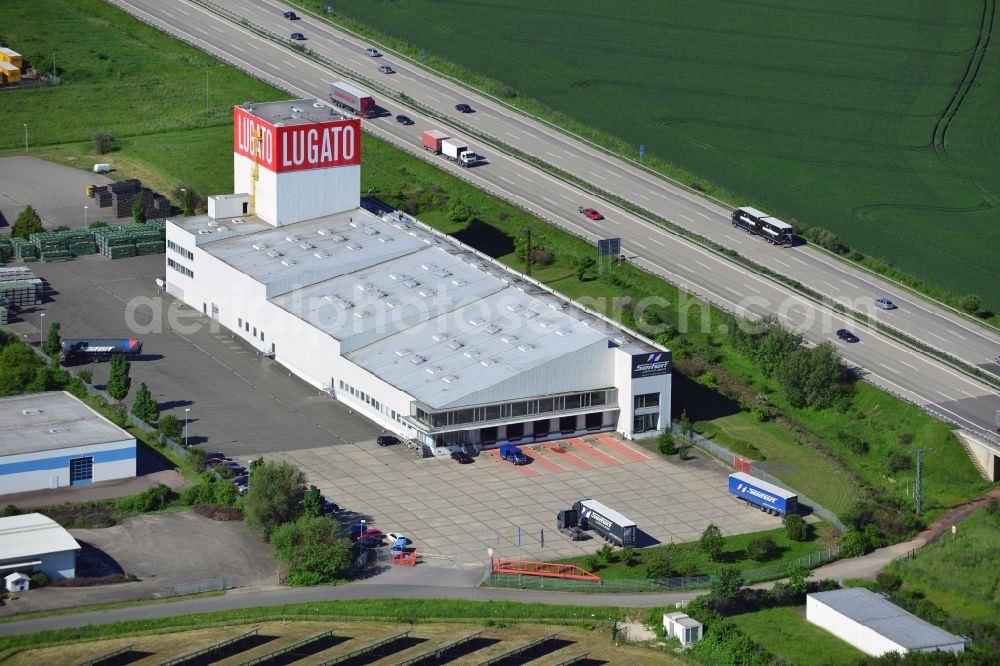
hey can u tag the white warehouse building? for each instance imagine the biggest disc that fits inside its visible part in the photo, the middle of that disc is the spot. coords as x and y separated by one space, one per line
33 542
426 336
50 440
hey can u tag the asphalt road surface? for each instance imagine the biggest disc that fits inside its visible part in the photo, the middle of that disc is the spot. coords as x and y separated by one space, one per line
883 361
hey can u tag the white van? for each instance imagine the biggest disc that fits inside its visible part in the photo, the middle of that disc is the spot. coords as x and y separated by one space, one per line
102 168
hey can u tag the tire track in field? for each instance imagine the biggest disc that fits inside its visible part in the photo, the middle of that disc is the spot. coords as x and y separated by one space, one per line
826 11
986 21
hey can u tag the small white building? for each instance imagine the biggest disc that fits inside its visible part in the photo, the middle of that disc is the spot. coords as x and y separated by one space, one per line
874 625
34 542
17 582
684 628
53 439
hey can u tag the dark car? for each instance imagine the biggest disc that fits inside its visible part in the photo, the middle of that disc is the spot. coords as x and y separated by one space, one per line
386 69
847 336
330 507
387 440
298 36
290 16
461 457
217 455
404 120
368 542
464 108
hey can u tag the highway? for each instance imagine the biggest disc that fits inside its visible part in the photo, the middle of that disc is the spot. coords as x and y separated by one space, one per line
885 362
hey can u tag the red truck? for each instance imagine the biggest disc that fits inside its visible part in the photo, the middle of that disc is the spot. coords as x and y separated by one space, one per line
353 99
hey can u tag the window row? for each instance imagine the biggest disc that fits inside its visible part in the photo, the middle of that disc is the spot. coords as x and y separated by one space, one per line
510 410
180 250
369 400
246 325
180 268
646 400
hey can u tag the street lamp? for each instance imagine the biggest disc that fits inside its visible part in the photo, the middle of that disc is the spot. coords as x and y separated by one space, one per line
41 329
25 138
187 411
85 216
184 200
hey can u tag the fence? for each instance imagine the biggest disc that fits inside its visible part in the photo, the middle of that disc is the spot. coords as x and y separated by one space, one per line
199 586
725 455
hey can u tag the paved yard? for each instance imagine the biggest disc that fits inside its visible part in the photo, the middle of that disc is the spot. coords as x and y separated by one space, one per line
56 192
455 512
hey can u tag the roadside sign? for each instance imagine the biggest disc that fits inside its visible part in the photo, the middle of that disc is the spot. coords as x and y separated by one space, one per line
642 150
609 247
422 56
329 9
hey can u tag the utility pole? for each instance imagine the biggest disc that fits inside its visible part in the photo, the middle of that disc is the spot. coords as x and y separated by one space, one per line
527 254
53 64
918 486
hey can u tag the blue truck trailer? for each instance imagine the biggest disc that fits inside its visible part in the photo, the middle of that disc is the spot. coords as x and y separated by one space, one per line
763 495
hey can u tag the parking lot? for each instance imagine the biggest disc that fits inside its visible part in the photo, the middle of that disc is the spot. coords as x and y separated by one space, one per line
247 405
23 179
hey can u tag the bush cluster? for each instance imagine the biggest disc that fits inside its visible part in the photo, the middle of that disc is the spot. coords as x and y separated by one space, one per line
153 498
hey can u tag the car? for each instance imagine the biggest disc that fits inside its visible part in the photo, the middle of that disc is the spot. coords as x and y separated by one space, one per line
212 462
461 457
996 359
217 455
847 336
372 53
368 542
387 440
591 213
290 16
404 120
884 304
370 533
242 483
298 36
394 537
330 507
385 69
464 108
512 454
232 466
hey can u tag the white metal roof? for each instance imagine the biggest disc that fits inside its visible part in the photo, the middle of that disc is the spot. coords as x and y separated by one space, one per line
886 618
33 534
294 112
775 222
753 211
764 485
607 512
53 420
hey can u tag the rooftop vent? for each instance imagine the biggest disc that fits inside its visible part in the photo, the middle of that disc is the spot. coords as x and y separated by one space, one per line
475 263
428 267
411 283
371 231
213 223
238 220
488 362
353 246
563 332
288 262
394 303
526 347
320 254
385 239
471 353
492 329
339 239
203 232
345 305
545 323
449 379
273 253
324 232
418 359
439 336
508 338
292 238
361 314
459 282
514 307
397 276
333 298
426 292
357 224
402 352
558 305
306 245
620 340
455 345
477 321
443 273
31 411
363 286
506 279
590 322
260 246
378 293
434 369
530 314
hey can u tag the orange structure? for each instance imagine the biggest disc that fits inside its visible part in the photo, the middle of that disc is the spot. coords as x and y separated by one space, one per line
547 569
404 558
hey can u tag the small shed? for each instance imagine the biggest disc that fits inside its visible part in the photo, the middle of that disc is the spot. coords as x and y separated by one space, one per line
685 628
17 582
875 625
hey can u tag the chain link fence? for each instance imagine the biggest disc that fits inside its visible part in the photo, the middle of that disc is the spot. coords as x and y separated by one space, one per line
201 586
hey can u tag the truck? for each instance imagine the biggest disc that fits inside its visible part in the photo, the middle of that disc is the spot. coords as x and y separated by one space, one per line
608 523
763 495
98 349
353 99
440 143
512 454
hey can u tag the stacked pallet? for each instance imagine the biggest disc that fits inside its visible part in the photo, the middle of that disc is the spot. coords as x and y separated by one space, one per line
130 240
19 294
24 249
80 241
6 250
64 245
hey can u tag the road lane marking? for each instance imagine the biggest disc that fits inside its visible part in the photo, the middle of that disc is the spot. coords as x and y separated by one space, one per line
642 196
707 268
831 286
751 288
550 201
653 240
850 284
734 291
565 197
513 136
698 212
936 336
779 261
521 175
435 99
689 219
889 368
912 367
597 175
946 395
799 260
507 180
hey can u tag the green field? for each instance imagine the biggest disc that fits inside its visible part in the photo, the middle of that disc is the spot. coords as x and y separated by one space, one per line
787 635
876 121
960 574
168 105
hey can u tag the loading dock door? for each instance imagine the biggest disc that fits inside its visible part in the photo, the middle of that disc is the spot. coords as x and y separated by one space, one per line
81 471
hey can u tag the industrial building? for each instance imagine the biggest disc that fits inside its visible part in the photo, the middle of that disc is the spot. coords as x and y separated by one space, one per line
33 542
874 625
10 66
50 440
424 335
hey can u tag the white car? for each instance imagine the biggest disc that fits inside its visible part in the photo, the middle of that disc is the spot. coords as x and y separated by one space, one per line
393 537
371 53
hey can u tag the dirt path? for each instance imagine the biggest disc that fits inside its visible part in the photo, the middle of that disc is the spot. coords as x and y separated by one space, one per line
954 516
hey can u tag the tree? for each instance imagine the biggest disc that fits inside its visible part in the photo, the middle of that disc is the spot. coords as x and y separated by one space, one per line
139 209
274 498
312 502
28 222
170 426
103 143
796 527
726 583
144 406
972 304
311 549
53 344
583 266
657 564
665 443
712 542
797 576
761 548
119 381
684 423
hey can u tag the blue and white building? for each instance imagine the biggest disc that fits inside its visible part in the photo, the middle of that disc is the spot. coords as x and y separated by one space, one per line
51 440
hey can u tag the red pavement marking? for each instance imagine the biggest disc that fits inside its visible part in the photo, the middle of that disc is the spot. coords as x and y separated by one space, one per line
600 456
570 458
626 451
523 469
538 459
